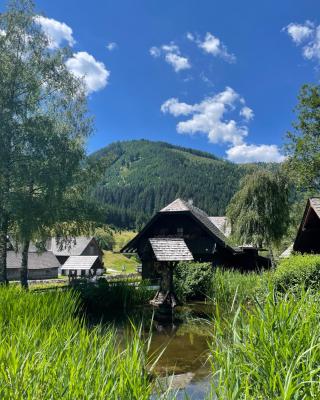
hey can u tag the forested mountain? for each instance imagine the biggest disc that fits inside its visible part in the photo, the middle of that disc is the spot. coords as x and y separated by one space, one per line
145 176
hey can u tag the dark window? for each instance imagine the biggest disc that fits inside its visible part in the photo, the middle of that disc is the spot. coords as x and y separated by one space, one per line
83 272
180 231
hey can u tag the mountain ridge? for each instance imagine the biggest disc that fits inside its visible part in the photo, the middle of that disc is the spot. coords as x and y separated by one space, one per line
145 176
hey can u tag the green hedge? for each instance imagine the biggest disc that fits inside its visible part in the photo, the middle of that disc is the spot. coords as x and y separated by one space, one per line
298 270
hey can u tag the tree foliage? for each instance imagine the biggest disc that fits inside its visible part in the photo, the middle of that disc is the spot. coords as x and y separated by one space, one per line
259 211
304 141
44 126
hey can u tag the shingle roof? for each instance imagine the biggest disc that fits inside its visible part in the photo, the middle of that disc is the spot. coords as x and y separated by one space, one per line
170 249
181 205
75 247
222 224
315 204
35 260
79 262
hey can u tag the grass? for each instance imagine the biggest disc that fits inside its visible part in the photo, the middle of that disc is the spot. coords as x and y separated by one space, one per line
47 352
115 262
269 350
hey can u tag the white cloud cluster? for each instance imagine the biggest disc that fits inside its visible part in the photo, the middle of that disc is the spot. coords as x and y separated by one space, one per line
112 46
247 113
212 45
209 117
172 56
94 73
81 64
246 153
56 32
308 36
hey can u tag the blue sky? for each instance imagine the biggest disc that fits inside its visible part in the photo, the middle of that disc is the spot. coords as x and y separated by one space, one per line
219 76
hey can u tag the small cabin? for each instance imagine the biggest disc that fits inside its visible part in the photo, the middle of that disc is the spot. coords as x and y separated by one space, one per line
183 228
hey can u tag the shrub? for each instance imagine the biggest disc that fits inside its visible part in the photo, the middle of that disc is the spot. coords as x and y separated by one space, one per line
298 270
192 280
103 297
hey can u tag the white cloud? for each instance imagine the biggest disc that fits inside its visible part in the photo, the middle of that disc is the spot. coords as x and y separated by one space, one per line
155 52
94 73
172 56
208 117
212 45
178 62
247 153
247 113
299 32
56 32
307 35
112 46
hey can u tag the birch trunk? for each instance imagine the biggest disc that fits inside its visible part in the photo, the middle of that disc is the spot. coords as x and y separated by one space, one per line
24 265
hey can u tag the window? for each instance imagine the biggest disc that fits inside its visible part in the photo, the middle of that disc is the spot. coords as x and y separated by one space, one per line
83 272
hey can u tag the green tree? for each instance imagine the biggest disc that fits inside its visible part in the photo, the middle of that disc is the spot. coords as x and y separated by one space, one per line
44 125
105 238
259 211
303 148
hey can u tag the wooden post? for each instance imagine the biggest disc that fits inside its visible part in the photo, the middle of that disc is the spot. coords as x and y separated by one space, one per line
165 297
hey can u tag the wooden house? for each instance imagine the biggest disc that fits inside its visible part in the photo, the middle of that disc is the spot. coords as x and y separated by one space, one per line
181 231
308 236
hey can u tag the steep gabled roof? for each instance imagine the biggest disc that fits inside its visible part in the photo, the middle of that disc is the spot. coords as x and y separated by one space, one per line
35 260
170 249
183 207
79 262
74 247
180 205
313 205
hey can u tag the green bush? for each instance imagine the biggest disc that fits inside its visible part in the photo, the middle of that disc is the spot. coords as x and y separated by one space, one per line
105 297
298 270
192 280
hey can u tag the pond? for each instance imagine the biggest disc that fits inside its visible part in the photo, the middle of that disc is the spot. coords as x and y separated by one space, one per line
182 344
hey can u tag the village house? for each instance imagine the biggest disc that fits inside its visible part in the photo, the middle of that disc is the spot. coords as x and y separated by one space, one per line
79 256
42 265
181 231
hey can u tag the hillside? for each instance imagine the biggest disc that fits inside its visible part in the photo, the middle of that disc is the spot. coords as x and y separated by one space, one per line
146 176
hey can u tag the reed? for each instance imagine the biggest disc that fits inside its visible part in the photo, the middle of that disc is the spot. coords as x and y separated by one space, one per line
269 350
47 352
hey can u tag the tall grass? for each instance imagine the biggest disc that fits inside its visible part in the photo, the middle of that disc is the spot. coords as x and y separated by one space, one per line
269 351
229 288
46 352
